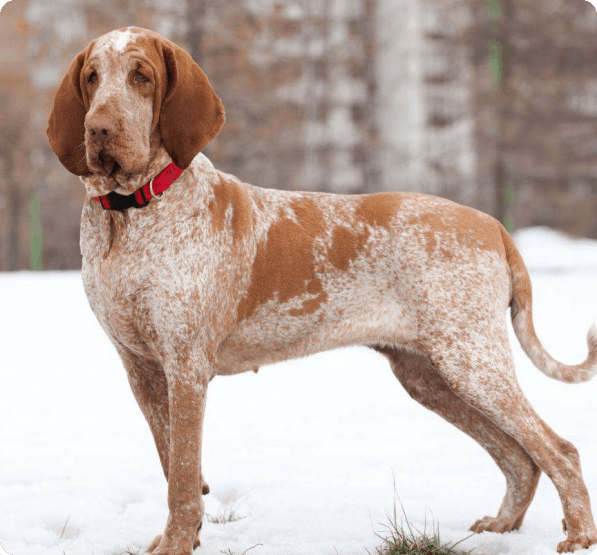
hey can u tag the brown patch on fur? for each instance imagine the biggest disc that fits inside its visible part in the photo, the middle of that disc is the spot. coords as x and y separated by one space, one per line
346 246
308 215
314 288
379 209
473 229
372 210
229 193
284 264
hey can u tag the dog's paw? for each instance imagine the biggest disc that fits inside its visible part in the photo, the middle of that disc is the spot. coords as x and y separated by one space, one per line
493 524
573 544
156 542
197 541
153 545
156 549
172 551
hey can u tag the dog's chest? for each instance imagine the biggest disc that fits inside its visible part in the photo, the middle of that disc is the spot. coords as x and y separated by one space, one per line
116 295
118 268
158 285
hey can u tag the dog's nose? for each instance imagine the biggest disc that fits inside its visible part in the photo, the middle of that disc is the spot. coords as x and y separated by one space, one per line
100 128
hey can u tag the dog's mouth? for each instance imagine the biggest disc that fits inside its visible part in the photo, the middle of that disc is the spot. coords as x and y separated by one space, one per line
114 170
112 176
108 165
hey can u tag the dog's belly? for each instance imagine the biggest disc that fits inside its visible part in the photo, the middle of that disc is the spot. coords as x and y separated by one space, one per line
348 318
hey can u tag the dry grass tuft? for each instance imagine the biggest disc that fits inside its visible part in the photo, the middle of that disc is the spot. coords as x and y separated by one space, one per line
227 514
228 552
401 538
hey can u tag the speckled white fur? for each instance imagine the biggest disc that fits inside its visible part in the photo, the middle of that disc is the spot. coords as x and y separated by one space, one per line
121 39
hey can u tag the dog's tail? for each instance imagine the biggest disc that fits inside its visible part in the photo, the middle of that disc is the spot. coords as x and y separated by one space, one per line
522 322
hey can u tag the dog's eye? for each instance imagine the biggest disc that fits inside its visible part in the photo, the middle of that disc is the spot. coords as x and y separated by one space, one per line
92 77
140 78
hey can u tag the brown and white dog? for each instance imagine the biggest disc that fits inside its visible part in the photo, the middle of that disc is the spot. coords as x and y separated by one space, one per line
220 277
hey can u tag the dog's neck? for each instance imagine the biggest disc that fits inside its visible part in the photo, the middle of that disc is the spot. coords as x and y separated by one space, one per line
188 197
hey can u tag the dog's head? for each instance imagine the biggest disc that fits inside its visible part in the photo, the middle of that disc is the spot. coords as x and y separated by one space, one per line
127 95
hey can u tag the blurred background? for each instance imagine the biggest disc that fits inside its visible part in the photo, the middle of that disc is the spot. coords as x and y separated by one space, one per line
492 103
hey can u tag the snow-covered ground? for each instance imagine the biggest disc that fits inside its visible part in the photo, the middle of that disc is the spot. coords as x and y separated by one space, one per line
307 452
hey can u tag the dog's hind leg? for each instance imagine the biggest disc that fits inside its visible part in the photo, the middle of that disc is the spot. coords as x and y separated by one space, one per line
423 383
476 364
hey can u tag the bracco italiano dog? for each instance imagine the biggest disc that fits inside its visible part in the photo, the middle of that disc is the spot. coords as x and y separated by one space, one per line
193 273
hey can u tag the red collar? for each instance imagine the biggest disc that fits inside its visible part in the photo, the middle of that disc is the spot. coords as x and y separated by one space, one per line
142 196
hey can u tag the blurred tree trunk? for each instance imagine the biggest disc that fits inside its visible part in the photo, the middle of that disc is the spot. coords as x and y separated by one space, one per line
371 156
15 206
196 11
15 143
500 14
535 125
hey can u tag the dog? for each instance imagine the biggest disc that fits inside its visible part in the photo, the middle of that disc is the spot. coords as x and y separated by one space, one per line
193 273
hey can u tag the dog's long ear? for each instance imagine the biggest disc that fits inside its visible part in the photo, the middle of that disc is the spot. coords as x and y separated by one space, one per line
191 114
66 125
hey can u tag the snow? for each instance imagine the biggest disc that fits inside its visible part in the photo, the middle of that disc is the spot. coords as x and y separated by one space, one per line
307 452
548 250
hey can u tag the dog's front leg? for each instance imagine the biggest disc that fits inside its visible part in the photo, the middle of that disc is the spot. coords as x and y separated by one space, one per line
187 390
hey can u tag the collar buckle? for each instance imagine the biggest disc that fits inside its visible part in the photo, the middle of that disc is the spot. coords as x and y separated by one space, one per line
156 197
